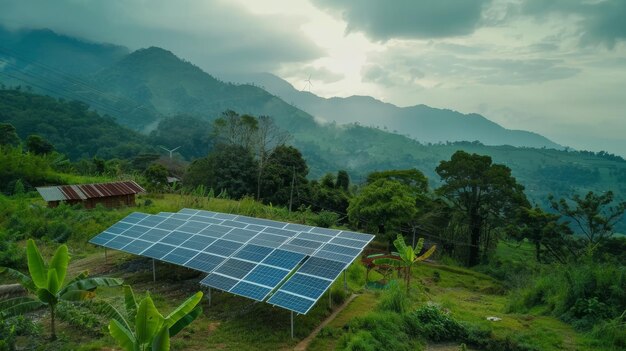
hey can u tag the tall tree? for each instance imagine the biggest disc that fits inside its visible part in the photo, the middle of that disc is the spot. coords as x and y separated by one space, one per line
8 135
229 168
38 145
384 205
268 139
284 168
593 214
234 129
343 180
483 192
413 178
545 231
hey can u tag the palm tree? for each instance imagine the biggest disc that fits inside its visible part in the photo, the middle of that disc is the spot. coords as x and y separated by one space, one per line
151 331
408 257
47 286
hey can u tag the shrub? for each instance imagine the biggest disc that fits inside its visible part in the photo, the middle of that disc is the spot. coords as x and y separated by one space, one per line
394 299
376 331
430 322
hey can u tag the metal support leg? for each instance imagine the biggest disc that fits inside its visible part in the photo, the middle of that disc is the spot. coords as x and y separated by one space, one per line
106 256
345 281
292 324
209 296
153 271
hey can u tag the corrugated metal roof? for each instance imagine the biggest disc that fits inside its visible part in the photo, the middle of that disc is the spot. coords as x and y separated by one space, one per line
88 191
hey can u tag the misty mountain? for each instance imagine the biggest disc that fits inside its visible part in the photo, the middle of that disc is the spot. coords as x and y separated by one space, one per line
420 122
141 88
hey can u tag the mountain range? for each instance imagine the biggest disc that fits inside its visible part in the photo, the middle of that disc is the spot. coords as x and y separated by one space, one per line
141 88
420 122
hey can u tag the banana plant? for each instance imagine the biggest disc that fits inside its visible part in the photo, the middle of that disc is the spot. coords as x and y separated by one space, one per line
408 257
150 330
47 285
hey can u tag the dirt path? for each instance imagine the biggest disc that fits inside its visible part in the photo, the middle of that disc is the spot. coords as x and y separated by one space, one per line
304 344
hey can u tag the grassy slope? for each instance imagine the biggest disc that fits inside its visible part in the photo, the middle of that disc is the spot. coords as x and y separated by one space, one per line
235 323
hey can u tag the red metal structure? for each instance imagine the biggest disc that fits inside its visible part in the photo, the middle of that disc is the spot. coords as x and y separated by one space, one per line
113 194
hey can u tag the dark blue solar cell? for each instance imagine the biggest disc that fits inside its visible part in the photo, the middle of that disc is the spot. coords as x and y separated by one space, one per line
102 238
356 236
204 262
314 237
235 268
254 253
134 217
260 221
157 250
349 251
321 267
305 285
255 228
206 220
188 211
298 249
154 235
119 227
137 246
252 291
198 242
181 216
305 243
136 231
275 240
176 238
334 256
223 247
151 221
268 276
291 302
179 256
325 231
219 282
192 227
118 242
224 216
349 242
206 213
235 224
283 232
239 235
298 227
283 259
170 224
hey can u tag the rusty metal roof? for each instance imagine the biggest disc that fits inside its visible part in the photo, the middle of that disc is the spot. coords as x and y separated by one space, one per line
89 191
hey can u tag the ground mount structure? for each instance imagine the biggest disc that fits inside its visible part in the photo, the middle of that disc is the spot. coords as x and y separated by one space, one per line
114 194
283 264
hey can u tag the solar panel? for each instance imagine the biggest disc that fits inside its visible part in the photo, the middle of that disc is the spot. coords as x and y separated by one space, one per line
249 290
250 257
322 267
254 253
235 268
305 285
268 276
291 302
204 262
219 281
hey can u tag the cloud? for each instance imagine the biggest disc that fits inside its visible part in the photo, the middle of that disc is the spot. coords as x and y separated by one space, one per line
217 35
600 21
408 19
403 66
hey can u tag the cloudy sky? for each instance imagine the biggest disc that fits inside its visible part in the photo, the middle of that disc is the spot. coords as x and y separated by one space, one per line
556 67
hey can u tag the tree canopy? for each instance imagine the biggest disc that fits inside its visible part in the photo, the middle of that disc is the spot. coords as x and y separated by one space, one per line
482 192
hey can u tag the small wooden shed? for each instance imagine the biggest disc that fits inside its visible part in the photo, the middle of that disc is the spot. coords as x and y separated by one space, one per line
113 194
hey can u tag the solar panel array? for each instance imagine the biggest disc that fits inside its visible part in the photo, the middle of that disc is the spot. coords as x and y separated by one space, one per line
292 264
